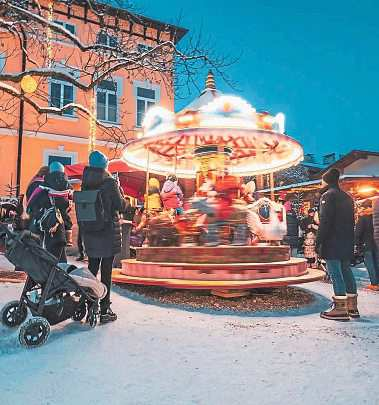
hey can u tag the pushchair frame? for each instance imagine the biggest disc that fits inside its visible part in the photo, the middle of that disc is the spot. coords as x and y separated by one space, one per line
67 298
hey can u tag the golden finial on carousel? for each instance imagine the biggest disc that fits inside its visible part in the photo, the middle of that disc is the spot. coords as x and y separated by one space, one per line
210 83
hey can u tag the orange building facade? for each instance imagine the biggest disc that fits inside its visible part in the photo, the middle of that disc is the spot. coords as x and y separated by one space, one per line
119 102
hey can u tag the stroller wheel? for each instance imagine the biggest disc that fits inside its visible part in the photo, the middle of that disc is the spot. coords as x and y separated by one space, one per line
80 313
13 314
34 332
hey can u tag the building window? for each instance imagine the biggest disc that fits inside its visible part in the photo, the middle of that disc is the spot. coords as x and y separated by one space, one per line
144 48
105 39
68 27
107 101
61 156
61 94
146 98
3 60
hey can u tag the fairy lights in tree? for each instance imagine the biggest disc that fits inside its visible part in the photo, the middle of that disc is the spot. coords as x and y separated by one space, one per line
49 33
92 123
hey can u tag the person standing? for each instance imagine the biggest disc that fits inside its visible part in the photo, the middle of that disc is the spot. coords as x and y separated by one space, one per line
292 237
103 244
364 240
310 226
335 244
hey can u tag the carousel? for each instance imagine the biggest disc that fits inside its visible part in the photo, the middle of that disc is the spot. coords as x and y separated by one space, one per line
223 237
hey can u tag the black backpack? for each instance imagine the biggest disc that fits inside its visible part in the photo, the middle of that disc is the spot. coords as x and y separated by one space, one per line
89 210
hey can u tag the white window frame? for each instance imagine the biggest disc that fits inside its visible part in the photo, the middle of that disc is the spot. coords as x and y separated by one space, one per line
63 83
75 73
119 83
148 86
57 152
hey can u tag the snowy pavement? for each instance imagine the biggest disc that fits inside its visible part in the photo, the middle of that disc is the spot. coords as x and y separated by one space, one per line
159 355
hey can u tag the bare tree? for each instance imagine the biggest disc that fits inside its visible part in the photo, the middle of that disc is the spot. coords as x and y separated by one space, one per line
109 45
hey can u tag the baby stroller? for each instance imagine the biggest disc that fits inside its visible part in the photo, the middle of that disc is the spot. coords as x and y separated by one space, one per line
53 292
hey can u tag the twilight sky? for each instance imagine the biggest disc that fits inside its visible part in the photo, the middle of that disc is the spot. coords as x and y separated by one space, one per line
318 62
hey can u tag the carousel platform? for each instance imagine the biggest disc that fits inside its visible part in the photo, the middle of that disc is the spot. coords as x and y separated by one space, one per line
222 267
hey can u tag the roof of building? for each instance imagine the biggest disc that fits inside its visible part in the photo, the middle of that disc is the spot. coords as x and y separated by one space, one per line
122 10
348 159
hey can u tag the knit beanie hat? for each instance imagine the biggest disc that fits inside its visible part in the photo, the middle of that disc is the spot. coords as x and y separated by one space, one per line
98 160
56 167
331 177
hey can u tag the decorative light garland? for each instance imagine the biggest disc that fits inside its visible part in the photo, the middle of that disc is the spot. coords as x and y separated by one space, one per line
92 124
49 33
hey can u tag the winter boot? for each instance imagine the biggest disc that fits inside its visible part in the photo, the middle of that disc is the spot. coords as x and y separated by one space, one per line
338 310
107 316
352 305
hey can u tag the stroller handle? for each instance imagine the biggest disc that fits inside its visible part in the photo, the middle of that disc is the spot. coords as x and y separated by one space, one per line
20 236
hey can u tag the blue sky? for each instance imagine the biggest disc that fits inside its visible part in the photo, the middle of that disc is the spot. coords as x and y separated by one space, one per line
318 62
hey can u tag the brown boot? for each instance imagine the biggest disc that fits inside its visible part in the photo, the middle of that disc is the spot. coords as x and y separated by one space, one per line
338 310
352 305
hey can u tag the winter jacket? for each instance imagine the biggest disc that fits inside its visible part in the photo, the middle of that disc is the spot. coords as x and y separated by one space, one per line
364 233
172 195
56 189
292 237
335 236
33 185
107 242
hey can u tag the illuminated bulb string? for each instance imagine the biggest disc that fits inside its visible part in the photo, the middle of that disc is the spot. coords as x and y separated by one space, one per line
49 33
92 124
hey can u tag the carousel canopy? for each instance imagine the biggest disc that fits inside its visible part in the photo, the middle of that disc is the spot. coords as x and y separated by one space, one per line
255 142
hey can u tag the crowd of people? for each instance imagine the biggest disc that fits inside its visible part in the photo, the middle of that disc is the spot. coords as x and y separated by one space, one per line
328 231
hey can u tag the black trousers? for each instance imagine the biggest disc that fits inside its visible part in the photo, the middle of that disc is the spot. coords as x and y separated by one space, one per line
80 244
106 266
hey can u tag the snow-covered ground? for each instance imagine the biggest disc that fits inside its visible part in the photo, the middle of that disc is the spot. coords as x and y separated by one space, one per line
159 355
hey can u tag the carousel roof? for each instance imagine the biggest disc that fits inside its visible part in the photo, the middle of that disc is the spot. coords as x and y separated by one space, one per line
255 142
209 93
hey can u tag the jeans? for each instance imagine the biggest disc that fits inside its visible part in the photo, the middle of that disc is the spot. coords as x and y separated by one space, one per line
372 264
293 252
342 277
106 265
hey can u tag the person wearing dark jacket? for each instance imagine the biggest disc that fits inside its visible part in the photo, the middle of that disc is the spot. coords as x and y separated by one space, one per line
102 246
364 240
293 227
335 244
54 191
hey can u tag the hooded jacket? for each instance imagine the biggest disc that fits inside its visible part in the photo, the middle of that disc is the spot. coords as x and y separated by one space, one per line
335 236
172 195
107 242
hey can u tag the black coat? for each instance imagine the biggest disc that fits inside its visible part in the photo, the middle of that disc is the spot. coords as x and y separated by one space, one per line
335 236
107 242
292 237
364 233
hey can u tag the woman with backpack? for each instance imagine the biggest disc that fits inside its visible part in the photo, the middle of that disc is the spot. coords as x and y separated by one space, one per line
48 208
101 236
